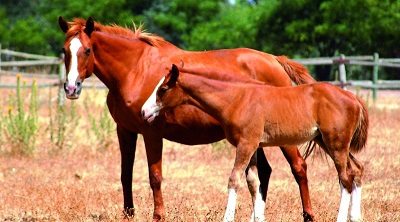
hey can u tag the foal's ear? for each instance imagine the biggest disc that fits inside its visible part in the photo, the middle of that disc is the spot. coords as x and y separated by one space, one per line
174 73
63 24
89 26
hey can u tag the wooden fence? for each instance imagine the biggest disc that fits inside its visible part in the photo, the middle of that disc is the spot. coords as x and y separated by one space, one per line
373 61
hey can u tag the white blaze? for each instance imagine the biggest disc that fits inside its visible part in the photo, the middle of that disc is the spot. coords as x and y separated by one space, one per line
73 74
150 107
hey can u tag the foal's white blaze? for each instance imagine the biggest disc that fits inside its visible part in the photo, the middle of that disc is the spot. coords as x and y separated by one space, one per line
230 207
259 207
355 213
73 74
344 204
150 108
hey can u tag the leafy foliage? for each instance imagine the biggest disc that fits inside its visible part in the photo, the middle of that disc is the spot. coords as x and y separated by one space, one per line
297 28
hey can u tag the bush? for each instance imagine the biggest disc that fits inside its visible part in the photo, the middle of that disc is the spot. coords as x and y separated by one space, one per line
21 129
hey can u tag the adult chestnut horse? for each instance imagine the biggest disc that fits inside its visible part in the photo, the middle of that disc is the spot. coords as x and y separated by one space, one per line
254 115
131 62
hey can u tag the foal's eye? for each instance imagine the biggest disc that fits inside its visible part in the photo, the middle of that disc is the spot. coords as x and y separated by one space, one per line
63 50
87 51
162 91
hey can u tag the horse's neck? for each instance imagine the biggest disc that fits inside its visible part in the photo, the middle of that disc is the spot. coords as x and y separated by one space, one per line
116 57
212 96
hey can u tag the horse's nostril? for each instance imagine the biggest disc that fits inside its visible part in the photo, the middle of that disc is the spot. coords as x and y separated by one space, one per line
143 113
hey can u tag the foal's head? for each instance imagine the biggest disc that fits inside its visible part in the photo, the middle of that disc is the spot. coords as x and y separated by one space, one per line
167 95
78 55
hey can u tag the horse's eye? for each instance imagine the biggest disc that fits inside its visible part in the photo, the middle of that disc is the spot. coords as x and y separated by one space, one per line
87 51
63 50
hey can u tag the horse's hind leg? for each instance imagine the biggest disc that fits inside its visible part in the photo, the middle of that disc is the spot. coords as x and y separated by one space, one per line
253 183
299 170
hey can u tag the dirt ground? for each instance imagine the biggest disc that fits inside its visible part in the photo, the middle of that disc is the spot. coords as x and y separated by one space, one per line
83 184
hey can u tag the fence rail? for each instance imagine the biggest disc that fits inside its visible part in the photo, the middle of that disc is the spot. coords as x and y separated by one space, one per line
374 61
367 60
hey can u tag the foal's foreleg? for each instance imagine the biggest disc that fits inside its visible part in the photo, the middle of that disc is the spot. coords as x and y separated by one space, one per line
244 151
253 183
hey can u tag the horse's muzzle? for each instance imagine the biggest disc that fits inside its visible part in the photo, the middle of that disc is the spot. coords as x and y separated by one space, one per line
73 91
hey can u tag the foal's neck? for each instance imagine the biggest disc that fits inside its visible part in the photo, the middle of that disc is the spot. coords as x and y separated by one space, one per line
213 96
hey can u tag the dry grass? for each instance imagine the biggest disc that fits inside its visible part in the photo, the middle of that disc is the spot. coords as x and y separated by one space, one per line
83 184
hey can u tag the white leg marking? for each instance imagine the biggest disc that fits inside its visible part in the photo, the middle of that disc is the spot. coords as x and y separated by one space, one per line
73 74
355 212
150 108
259 207
344 204
230 207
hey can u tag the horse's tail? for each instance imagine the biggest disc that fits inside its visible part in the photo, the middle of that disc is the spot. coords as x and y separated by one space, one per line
360 136
296 71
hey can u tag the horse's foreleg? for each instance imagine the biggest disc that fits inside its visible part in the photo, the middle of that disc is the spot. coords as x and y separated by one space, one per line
253 184
264 172
127 145
154 160
299 170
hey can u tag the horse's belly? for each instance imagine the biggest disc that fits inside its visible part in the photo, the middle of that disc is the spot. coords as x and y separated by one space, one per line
189 125
288 138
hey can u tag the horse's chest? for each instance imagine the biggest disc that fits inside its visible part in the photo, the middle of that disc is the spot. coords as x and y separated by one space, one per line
124 114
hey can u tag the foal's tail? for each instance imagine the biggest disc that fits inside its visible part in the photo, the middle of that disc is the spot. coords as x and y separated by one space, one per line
360 136
296 71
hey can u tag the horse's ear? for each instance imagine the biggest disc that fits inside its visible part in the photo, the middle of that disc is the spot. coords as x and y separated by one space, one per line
63 24
89 26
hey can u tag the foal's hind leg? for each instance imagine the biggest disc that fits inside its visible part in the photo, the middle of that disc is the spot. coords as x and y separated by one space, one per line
299 170
358 169
350 173
253 183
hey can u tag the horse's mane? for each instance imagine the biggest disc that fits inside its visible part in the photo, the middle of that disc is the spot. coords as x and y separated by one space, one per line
136 32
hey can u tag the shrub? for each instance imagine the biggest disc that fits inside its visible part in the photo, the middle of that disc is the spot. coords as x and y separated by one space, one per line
21 129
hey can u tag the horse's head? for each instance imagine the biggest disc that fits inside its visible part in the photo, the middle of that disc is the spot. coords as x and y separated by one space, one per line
167 95
78 54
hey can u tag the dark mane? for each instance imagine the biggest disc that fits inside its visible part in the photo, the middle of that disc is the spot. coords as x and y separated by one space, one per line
136 33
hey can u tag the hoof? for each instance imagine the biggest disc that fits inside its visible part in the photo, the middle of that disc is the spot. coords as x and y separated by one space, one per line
307 217
356 219
129 213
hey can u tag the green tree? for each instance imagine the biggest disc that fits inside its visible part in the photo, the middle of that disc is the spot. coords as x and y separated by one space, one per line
175 19
225 30
318 28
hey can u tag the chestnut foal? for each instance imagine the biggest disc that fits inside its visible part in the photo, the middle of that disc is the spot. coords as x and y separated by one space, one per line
254 115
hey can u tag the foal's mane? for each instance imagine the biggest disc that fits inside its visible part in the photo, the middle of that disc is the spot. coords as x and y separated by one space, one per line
133 33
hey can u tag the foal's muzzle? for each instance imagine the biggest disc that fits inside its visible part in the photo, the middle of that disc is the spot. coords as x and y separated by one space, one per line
73 91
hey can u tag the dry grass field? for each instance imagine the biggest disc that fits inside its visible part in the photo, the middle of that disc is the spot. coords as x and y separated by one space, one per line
82 183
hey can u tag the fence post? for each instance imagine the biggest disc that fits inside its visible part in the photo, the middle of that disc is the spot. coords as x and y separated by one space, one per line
61 92
342 71
375 76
